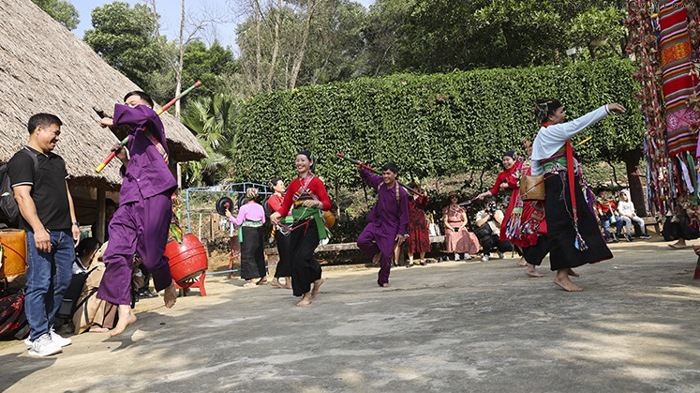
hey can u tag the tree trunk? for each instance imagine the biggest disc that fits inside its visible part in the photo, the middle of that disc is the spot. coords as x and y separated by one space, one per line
296 67
275 46
632 159
180 66
258 46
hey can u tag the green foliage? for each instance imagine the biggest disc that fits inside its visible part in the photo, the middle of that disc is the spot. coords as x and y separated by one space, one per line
208 65
123 36
211 119
600 30
430 125
62 11
444 35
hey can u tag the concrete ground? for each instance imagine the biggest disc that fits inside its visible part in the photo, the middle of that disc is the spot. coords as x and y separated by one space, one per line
448 327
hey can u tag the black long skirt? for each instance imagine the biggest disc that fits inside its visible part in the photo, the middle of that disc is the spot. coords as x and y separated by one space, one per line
560 226
305 270
534 254
284 267
252 253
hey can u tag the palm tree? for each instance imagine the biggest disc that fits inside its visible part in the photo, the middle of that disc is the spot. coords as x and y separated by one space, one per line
211 119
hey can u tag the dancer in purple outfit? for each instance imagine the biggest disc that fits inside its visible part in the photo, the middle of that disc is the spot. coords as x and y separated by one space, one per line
140 224
387 222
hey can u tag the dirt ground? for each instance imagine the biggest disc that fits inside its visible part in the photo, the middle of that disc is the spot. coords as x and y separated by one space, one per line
447 327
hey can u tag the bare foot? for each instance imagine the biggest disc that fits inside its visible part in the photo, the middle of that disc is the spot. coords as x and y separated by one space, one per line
317 285
98 329
572 273
386 285
262 281
275 283
562 279
522 262
531 271
170 295
305 301
126 318
375 259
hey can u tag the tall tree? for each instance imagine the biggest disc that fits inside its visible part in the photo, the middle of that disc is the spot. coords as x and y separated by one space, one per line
124 37
62 11
285 44
443 35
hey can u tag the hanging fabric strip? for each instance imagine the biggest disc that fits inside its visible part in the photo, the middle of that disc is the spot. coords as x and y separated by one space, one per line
156 144
579 243
692 174
686 175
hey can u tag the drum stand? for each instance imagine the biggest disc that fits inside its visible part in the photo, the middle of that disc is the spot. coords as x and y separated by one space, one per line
196 282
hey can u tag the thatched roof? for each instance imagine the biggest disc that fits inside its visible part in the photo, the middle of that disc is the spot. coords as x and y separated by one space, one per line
46 68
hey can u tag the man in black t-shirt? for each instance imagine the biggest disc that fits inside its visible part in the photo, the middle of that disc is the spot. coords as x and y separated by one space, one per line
48 217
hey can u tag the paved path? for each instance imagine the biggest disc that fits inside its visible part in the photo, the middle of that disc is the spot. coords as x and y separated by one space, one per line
448 327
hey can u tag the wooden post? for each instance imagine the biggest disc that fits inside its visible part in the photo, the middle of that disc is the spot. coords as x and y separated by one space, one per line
199 227
101 216
337 203
211 226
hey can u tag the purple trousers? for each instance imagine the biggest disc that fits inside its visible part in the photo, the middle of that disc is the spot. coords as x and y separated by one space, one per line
374 239
136 228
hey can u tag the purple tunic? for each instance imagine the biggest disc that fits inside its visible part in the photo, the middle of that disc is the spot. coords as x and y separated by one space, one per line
140 224
147 173
388 218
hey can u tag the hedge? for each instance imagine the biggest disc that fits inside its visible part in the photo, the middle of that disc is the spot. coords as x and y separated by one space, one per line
431 125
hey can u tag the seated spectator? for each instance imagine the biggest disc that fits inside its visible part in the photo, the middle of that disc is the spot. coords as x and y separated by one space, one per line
607 213
488 231
91 313
627 214
84 254
457 238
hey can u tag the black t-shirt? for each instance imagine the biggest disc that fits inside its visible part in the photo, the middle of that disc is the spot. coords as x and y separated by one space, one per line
48 187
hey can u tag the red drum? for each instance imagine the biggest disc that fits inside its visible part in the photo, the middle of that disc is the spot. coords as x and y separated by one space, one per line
188 259
14 252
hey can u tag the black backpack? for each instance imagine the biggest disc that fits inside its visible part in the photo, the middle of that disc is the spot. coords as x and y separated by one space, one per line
8 204
266 207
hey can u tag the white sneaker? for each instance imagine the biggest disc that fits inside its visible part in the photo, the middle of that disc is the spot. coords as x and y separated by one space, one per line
456 256
484 258
467 256
501 255
55 337
62 341
43 346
